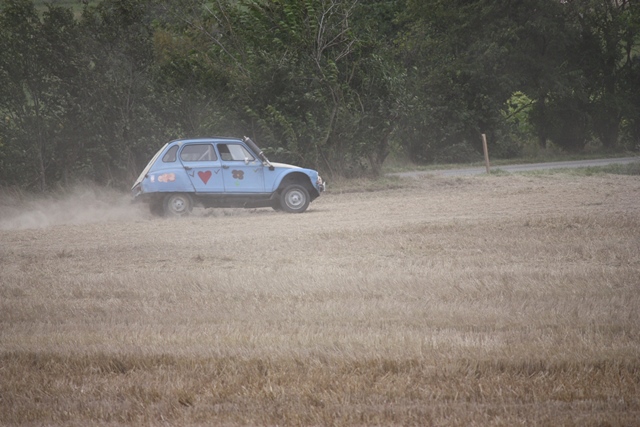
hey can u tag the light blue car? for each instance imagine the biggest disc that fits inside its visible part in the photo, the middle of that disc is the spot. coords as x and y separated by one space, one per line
222 173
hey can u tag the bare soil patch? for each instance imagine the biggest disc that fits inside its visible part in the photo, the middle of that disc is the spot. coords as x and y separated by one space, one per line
494 300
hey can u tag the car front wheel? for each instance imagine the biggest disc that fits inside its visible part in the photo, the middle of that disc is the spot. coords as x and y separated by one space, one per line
177 205
294 199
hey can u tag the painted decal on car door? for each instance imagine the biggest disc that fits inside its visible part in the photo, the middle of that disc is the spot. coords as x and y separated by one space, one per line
203 167
242 172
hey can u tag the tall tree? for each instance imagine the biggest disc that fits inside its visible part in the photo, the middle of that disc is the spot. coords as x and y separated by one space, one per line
315 81
119 108
455 56
543 61
300 56
610 35
36 69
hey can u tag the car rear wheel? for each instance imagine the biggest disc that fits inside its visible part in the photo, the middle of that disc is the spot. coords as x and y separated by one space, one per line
178 204
294 198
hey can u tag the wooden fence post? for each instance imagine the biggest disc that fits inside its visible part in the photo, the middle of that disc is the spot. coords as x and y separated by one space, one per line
486 151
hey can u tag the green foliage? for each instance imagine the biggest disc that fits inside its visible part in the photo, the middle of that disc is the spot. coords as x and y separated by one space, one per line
469 57
313 83
455 74
90 92
38 65
457 153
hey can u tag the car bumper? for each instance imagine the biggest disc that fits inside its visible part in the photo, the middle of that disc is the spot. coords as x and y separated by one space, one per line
321 185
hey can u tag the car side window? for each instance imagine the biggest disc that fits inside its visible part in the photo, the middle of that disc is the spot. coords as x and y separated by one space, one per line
170 156
198 153
234 152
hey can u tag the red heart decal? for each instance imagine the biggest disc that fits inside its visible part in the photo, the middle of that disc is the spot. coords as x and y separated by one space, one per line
204 176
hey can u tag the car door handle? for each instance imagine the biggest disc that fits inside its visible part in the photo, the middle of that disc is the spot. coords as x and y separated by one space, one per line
225 167
187 168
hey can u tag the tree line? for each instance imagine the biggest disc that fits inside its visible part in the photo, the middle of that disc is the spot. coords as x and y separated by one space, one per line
336 85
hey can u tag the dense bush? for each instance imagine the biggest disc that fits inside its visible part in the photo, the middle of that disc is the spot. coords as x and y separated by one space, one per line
331 84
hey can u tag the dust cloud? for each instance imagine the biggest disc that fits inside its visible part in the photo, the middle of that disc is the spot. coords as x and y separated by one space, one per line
81 204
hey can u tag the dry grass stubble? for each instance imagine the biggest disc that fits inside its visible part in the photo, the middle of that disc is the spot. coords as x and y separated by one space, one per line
473 301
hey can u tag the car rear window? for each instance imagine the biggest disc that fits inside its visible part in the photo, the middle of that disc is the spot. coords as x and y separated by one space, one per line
198 153
170 156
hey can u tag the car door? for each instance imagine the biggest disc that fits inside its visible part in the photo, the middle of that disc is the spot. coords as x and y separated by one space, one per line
203 167
241 171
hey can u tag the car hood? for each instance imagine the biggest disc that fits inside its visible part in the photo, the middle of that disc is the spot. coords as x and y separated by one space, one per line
284 166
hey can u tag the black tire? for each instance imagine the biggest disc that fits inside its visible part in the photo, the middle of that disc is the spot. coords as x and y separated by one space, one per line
178 204
294 198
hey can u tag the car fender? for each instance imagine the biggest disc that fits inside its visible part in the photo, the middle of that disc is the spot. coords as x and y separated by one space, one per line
300 175
169 180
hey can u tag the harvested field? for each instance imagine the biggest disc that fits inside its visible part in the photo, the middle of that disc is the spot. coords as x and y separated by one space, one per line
491 300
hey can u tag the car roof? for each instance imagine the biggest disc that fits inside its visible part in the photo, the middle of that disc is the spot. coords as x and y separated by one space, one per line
204 139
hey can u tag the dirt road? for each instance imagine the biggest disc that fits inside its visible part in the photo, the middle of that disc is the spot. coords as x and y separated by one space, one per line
525 167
